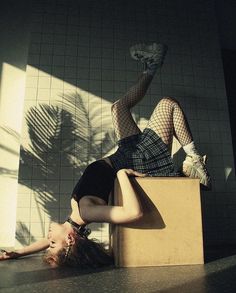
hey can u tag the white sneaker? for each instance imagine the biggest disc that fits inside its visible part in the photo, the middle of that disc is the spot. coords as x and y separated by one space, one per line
150 54
194 166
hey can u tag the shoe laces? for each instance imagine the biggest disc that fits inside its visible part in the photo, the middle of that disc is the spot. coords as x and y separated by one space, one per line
201 160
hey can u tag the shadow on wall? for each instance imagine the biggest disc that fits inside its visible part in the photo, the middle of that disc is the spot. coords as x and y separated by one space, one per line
61 136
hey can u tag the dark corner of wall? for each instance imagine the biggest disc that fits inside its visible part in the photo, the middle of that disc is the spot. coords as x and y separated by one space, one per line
229 64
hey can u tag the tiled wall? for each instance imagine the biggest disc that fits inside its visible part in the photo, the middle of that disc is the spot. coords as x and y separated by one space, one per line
14 39
79 64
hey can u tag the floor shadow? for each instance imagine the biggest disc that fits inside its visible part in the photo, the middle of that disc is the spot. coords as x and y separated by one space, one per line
16 278
218 281
27 275
215 252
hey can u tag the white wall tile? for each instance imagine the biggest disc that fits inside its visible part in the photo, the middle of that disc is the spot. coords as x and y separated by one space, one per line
23 215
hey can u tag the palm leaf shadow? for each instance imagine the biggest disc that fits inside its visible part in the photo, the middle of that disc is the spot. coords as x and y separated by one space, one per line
23 234
61 135
88 126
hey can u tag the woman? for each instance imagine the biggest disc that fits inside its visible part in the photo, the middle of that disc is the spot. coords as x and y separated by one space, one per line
139 154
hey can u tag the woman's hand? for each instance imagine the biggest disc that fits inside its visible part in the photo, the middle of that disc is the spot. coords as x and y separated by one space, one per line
29 249
8 254
131 172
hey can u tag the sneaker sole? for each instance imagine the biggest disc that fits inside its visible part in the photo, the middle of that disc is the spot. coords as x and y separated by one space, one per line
190 171
154 52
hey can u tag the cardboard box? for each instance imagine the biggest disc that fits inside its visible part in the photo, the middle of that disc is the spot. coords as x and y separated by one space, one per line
170 232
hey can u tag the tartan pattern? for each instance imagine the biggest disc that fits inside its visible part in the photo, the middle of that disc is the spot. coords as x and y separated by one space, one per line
145 153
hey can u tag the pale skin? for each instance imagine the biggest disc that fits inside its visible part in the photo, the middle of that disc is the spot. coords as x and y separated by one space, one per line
90 209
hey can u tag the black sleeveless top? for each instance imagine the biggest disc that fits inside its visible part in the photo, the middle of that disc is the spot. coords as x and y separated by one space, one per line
97 180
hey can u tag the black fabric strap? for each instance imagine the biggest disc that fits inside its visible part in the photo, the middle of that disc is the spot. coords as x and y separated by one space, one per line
82 230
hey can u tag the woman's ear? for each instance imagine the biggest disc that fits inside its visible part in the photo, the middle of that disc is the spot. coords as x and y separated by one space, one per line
70 239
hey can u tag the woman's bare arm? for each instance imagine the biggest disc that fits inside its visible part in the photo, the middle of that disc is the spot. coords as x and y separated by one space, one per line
30 249
128 212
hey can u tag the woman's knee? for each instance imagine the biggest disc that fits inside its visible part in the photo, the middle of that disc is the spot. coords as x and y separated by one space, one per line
168 101
117 107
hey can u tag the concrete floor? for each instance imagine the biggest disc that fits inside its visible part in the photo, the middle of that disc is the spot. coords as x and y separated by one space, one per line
31 275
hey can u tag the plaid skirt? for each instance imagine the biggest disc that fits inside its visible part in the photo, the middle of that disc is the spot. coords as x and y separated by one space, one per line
146 153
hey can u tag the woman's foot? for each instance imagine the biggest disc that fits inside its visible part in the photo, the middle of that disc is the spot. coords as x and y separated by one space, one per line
150 55
194 166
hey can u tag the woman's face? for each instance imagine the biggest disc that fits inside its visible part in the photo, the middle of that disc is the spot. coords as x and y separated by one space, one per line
57 236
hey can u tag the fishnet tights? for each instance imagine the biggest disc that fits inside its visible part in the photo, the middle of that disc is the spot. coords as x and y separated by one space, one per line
123 121
168 119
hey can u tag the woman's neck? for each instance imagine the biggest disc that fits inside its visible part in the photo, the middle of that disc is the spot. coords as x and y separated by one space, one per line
75 217
75 214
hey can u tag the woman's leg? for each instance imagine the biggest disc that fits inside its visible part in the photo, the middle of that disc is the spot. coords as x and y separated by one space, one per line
152 57
168 119
123 121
